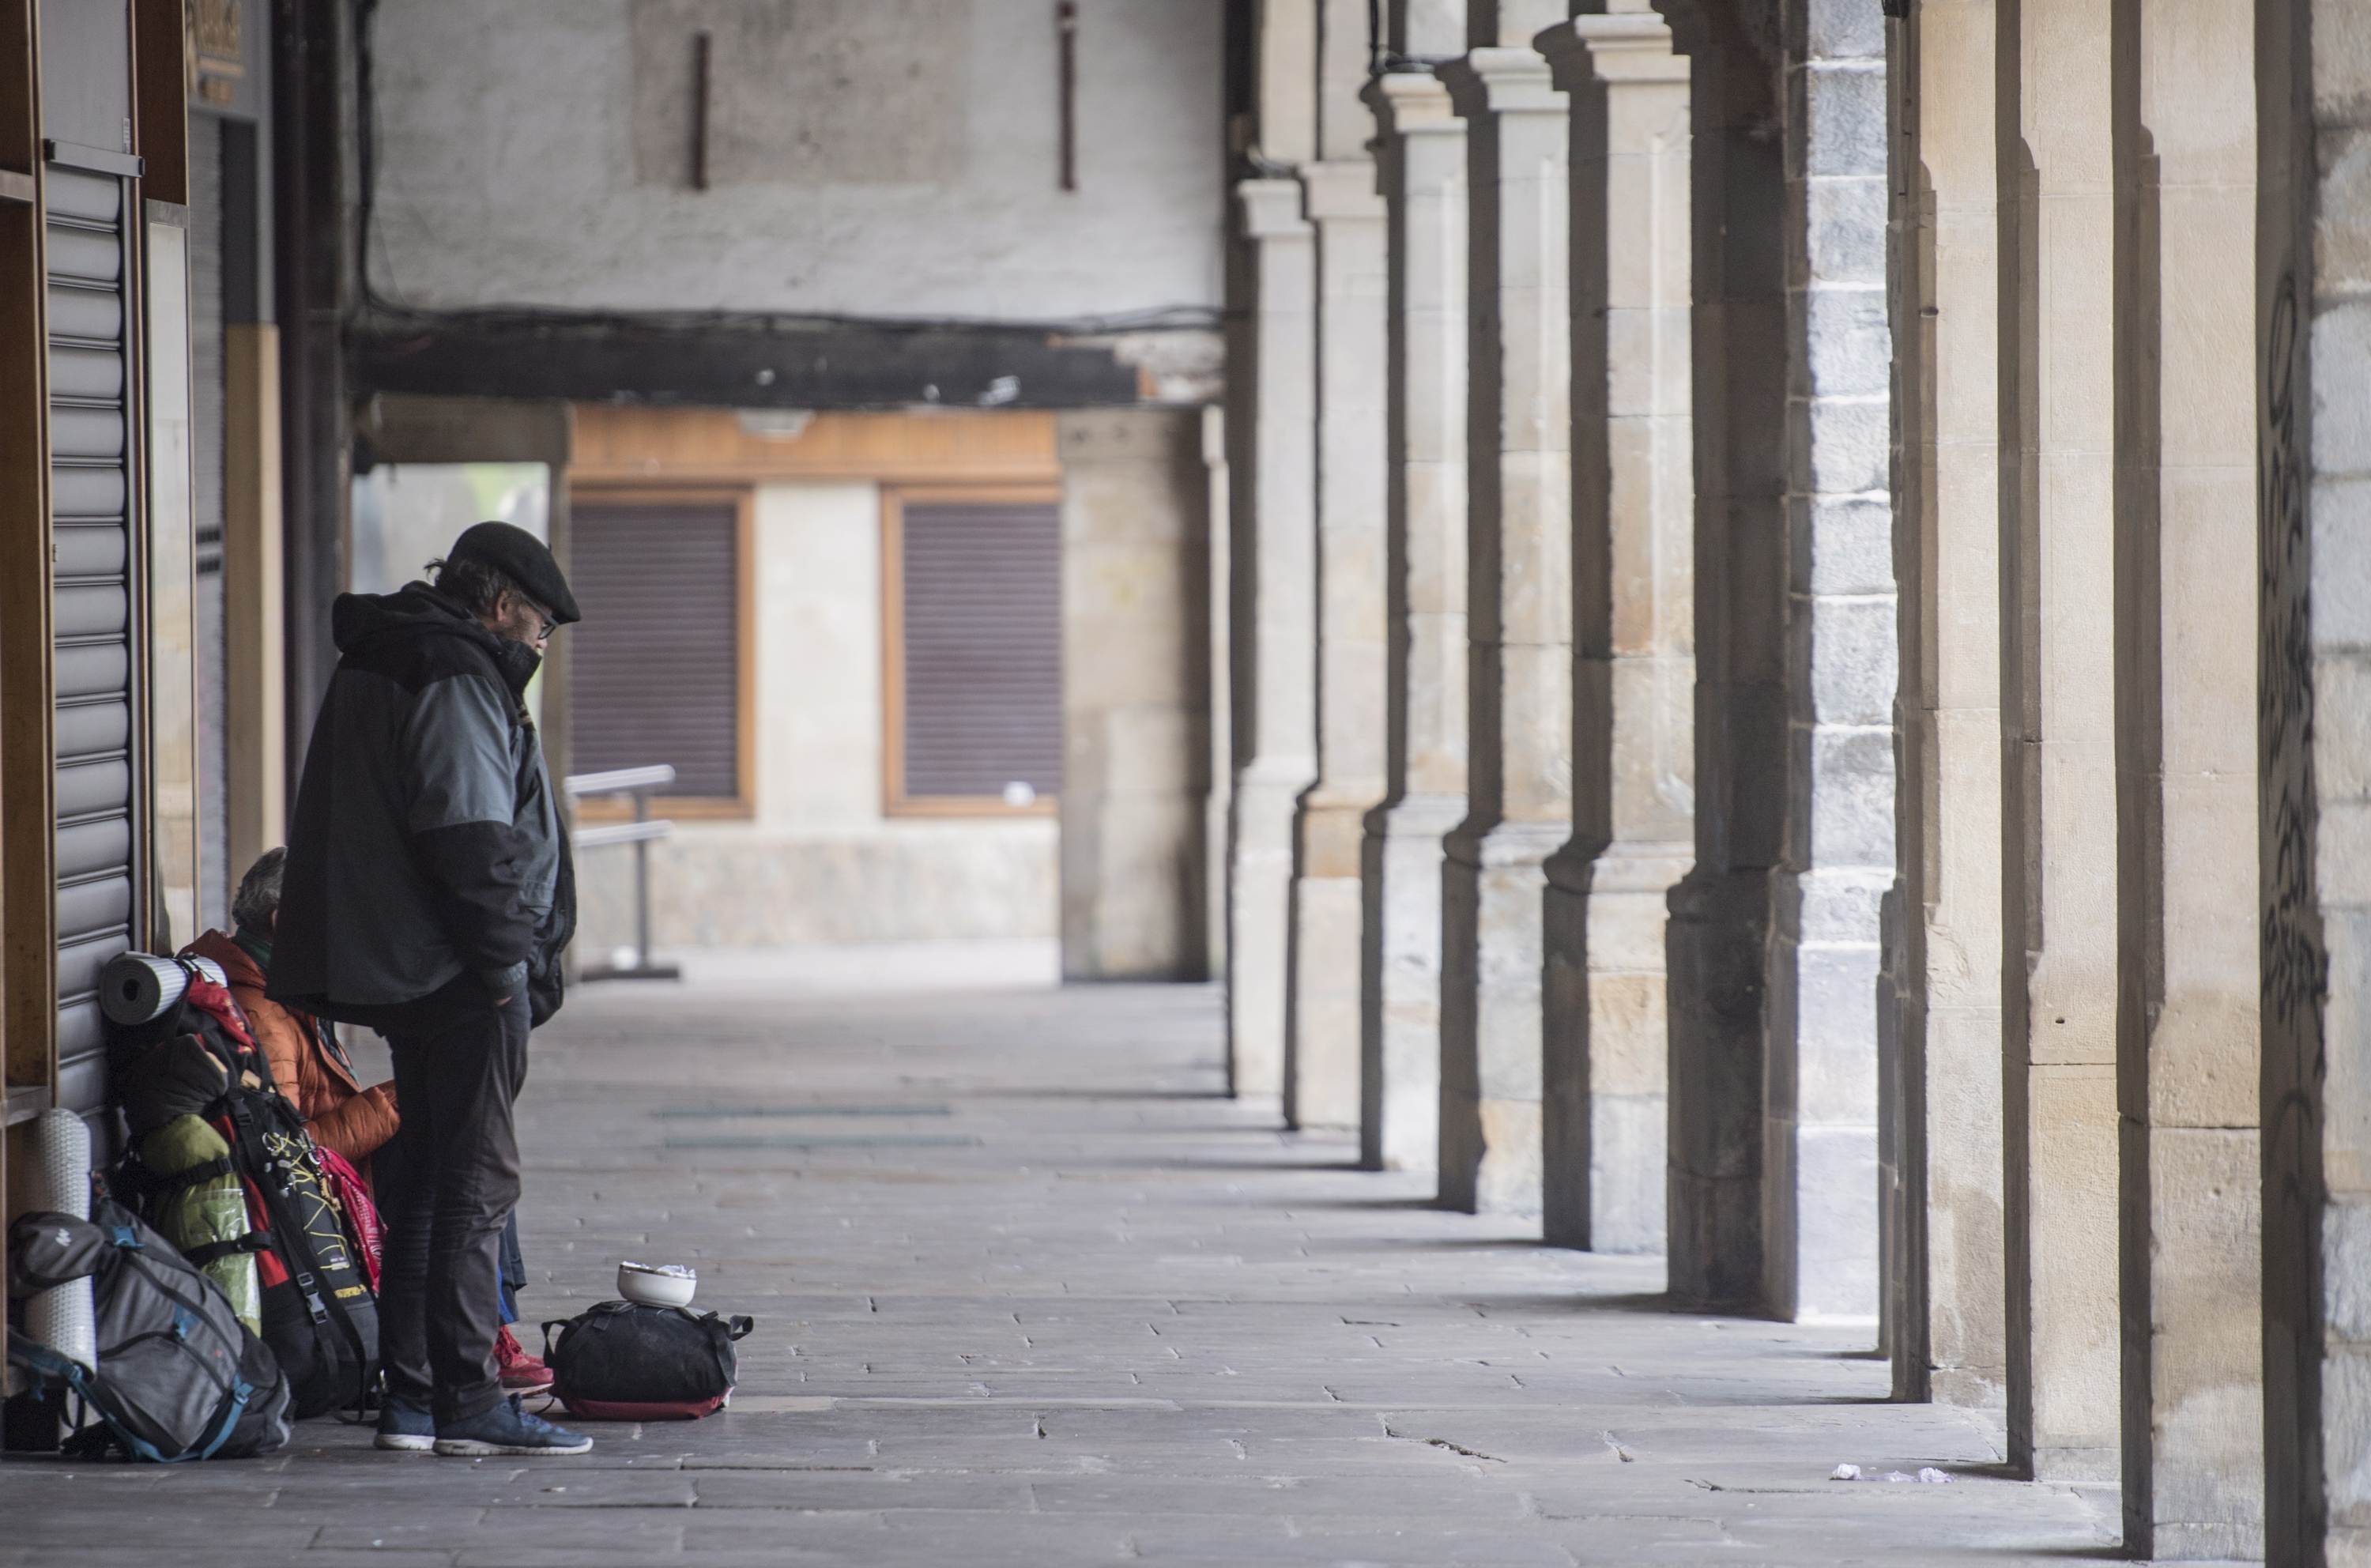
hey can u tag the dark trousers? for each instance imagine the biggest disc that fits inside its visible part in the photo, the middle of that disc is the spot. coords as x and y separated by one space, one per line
459 1067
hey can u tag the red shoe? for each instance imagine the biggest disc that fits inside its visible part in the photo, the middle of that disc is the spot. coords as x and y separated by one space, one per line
521 1373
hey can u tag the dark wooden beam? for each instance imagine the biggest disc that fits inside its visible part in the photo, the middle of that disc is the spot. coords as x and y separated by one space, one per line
312 239
729 366
161 77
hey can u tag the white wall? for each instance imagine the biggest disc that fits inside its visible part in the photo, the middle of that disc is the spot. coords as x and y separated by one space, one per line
818 862
893 157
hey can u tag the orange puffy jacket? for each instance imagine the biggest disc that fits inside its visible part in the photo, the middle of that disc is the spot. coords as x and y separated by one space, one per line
338 1110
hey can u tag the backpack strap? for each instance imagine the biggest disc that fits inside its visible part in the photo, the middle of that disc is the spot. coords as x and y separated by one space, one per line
253 1242
181 1180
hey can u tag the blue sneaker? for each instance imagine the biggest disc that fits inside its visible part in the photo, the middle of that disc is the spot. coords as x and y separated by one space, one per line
406 1427
507 1429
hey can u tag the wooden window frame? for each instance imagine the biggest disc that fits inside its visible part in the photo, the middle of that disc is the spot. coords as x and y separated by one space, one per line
895 498
742 804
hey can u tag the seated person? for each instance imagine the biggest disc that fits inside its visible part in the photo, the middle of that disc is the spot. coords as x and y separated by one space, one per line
309 1068
312 1071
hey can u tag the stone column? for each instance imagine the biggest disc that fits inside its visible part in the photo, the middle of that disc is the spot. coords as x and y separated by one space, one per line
2313 339
1634 670
1944 1260
2057 181
1217 806
1274 637
2189 1037
1773 936
1422 161
1322 1052
1520 627
1133 693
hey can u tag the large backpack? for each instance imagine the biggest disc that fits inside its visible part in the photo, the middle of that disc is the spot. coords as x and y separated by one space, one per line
318 1311
179 1377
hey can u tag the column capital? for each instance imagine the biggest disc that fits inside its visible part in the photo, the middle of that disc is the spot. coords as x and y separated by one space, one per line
1413 103
1272 208
1503 81
1341 188
1611 49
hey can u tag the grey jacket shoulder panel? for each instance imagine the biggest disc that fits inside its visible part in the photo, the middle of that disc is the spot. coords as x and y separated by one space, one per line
426 841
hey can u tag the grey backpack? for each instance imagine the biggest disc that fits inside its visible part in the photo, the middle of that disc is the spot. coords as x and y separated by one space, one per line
179 1376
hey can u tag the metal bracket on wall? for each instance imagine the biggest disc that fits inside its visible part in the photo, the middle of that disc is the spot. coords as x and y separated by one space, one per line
94 160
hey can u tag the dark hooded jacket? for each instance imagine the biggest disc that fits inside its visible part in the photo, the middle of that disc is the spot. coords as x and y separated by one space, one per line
427 844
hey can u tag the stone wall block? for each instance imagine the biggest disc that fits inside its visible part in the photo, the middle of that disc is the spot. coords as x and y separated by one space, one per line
1845 239
1852 657
1847 445
1848 544
2346 1267
2206 1356
1850 349
1841 30
2342 551
1838 904
2346 1456
1835 1077
1653 776
1626 1181
1835 1183
1841 107
2342 425
2072 1111
2343 245
2346 1025
1852 810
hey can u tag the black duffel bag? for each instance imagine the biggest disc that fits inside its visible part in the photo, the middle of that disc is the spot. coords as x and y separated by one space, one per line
621 1361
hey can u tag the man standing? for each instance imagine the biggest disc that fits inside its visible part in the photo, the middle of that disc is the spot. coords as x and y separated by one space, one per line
428 895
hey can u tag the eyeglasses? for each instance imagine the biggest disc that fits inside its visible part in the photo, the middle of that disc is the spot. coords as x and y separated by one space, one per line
550 622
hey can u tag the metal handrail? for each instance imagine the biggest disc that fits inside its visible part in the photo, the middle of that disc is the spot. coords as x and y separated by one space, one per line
620 780
637 783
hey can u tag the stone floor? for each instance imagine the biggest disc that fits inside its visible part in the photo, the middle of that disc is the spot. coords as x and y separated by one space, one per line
1030 1290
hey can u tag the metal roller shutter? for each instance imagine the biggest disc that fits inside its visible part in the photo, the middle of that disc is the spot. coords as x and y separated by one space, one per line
90 488
981 627
654 667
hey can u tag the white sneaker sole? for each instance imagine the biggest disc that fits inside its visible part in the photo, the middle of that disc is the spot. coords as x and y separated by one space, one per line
472 1449
405 1443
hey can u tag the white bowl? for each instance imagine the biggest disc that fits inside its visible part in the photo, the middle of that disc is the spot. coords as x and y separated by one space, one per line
657 1284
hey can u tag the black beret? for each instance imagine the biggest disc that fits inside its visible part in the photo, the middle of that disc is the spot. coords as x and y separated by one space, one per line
525 559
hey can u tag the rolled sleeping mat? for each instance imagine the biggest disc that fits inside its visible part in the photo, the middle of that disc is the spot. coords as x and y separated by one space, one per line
136 987
60 1167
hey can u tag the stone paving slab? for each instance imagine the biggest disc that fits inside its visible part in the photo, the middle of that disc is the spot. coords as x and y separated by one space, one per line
1129 1320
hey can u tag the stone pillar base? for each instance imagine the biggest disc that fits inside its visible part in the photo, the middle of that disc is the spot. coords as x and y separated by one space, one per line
1492 945
1322 1042
1718 939
1400 1080
1608 1043
1260 897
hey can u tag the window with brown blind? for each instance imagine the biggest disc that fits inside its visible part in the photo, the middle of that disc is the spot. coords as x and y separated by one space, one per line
977 650
654 667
